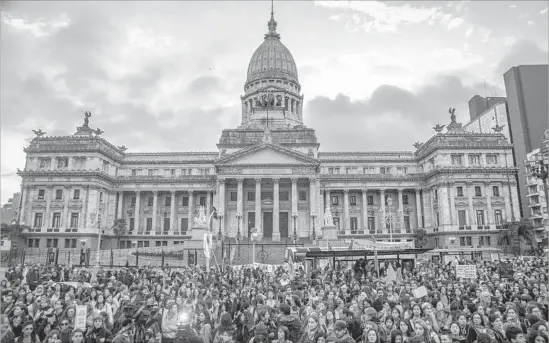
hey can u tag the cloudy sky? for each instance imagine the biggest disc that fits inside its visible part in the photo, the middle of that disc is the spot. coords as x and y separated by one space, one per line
166 76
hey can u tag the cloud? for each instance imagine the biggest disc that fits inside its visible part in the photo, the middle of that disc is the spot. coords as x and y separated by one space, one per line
205 85
522 52
455 23
544 11
391 117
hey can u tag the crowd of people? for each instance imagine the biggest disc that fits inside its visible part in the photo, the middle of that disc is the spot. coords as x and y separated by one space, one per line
342 303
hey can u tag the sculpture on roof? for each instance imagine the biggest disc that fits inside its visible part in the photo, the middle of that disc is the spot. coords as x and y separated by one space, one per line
39 133
87 115
438 128
98 132
122 147
498 128
452 112
417 145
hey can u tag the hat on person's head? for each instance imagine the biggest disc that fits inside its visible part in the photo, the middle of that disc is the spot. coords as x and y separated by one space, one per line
340 325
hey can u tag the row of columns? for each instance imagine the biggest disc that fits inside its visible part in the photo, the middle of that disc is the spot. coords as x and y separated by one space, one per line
346 222
173 208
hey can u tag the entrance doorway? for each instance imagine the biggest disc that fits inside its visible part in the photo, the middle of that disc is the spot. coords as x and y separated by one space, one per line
268 224
284 224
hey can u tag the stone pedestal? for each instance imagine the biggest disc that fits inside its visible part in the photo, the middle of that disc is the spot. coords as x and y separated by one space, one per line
276 236
198 232
329 232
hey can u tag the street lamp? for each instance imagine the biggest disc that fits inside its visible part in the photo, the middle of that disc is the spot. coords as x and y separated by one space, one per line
253 237
313 216
219 232
294 216
97 260
238 236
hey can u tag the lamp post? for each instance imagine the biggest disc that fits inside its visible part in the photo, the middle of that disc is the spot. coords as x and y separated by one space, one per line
97 260
253 236
313 217
219 232
238 236
294 216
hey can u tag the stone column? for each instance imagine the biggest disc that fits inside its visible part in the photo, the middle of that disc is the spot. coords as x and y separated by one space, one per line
173 212
452 212
240 202
327 200
47 219
470 190
401 210
190 210
66 214
97 212
258 218
490 214
120 205
515 204
418 208
155 210
22 210
312 193
106 208
137 210
294 201
432 201
208 203
382 222
221 199
276 209
86 197
347 219
365 210
507 199
320 211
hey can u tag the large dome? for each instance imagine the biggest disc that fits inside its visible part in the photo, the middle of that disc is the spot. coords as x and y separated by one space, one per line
272 60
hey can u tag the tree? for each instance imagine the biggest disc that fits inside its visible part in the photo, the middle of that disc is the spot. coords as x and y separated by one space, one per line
119 228
513 232
420 238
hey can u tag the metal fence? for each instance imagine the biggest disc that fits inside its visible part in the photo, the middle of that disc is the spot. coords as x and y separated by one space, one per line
246 253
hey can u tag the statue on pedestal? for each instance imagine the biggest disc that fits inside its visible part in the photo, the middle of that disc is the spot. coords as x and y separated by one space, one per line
201 220
328 220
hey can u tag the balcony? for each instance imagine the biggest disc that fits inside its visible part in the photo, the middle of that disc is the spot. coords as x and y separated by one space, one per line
480 227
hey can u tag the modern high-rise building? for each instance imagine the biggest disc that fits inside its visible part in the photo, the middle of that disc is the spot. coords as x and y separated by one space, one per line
527 101
479 105
492 120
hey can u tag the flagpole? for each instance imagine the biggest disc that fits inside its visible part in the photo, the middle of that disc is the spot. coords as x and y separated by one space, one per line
375 256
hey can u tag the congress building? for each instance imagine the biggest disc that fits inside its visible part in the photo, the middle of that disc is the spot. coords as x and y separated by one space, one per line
270 174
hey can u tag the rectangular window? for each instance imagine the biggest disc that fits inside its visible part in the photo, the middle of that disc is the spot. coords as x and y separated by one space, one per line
498 217
41 193
185 201
302 196
132 224
335 200
184 225
74 220
478 191
183 171
481 240
462 241
266 195
150 201
133 201
55 242
251 196
492 159
352 200
371 224
67 243
480 217
62 162
488 240
140 244
284 195
134 172
436 242
474 160
58 194
405 199
149 224
459 191
38 219
330 170
168 201
202 201
45 162
164 243
370 199
457 160
48 243
56 222
495 191
469 240
336 223
462 218
147 244
166 224
348 170
233 196
30 243
382 170
336 170
354 223
76 194
101 197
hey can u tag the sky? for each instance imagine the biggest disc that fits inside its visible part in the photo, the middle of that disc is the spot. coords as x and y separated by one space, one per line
167 76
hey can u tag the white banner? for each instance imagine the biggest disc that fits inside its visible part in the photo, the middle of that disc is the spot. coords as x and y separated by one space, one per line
80 317
468 271
365 244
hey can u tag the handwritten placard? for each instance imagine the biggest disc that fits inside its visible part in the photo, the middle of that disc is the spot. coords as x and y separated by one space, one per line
468 271
494 257
419 292
80 317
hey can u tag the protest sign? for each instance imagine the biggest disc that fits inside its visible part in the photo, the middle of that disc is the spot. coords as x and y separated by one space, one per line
419 292
80 317
467 271
494 257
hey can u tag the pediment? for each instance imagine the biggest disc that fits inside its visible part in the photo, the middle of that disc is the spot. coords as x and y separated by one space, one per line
268 154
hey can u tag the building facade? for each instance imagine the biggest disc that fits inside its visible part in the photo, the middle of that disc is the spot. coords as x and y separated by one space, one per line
479 105
269 174
527 88
9 210
493 119
537 202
